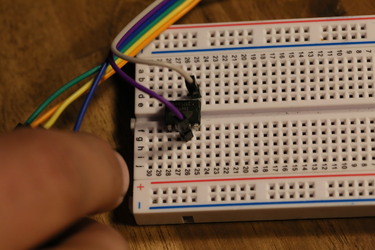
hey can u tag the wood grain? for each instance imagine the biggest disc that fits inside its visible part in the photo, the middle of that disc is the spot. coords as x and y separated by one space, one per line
44 44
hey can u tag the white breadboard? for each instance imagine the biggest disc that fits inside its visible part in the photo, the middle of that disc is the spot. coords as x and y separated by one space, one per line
288 123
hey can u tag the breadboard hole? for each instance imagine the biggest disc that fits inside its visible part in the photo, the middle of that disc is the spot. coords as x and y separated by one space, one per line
233 37
270 82
274 146
294 34
354 31
356 188
291 190
175 40
231 193
174 195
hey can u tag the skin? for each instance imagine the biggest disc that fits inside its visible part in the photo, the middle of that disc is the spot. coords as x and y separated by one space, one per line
49 181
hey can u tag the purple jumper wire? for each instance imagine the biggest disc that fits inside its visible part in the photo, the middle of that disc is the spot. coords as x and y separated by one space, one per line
127 78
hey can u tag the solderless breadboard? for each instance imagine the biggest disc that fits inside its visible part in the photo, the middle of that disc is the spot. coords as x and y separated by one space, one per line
287 130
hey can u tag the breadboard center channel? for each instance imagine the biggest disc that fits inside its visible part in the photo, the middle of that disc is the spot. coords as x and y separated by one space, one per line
287 121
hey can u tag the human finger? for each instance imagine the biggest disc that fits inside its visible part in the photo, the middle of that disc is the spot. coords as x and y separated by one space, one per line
50 179
89 234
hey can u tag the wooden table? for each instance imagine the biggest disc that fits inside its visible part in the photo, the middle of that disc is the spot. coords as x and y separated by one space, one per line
44 44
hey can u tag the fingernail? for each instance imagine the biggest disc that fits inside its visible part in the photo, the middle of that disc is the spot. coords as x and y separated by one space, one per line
125 173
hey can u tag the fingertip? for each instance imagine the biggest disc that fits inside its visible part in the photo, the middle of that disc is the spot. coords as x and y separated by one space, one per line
89 234
60 176
125 176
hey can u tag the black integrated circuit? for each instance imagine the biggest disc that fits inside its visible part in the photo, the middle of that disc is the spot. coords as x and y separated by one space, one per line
191 109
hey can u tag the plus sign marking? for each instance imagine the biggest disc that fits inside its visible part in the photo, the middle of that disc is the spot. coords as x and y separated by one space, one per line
140 187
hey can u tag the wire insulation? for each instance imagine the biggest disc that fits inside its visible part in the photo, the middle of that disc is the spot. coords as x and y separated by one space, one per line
56 111
132 25
57 93
89 96
142 88
176 68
